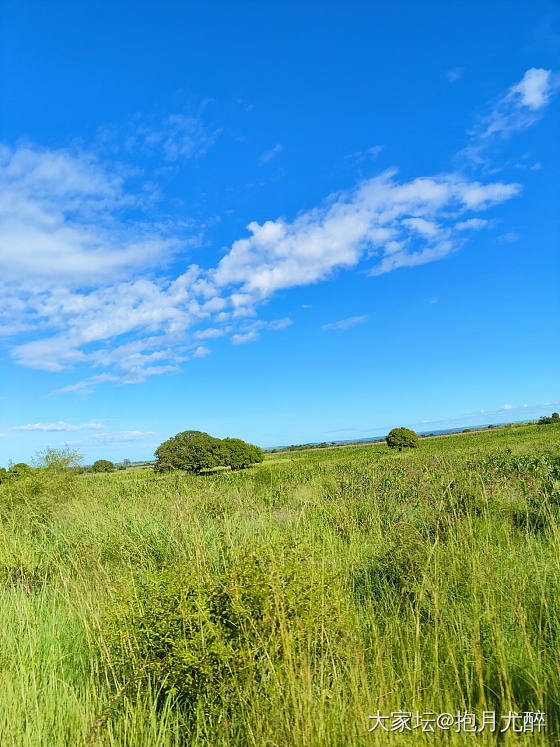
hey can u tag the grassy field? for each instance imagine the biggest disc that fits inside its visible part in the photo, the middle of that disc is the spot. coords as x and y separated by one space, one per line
285 604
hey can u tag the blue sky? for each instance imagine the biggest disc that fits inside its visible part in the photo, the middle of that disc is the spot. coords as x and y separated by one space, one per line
286 222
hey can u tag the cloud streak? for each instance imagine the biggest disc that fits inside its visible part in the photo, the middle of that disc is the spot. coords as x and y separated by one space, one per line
519 108
59 426
345 324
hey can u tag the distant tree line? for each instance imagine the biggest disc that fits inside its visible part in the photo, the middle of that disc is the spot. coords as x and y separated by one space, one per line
554 418
195 451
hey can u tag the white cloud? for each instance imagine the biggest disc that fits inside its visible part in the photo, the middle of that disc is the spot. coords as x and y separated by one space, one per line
507 407
143 326
60 425
211 332
345 324
520 107
279 254
242 338
201 352
251 332
83 286
472 224
534 88
59 221
270 154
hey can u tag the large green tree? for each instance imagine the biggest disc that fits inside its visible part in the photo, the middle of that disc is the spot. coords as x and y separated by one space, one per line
192 451
195 451
402 438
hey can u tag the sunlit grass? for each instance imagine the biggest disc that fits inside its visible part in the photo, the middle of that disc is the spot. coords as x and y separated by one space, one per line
437 573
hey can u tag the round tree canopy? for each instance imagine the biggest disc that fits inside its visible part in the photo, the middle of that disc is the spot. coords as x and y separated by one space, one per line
402 438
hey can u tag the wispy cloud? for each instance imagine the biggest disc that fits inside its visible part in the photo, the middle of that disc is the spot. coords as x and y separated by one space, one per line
268 155
519 108
509 238
251 332
369 153
472 224
110 437
176 137
345 324
86 386
59 426
454 74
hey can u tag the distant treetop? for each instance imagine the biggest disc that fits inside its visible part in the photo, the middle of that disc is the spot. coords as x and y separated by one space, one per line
402 438
545 420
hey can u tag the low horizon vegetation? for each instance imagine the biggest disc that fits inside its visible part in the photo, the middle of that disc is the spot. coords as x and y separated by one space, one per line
287 603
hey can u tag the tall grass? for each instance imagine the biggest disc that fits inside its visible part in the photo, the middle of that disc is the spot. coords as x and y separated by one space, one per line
427 580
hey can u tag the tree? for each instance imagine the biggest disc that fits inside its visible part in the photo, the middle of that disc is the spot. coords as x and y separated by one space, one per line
192 451
58 460
239 454
546 420
402 438
195 451
102 465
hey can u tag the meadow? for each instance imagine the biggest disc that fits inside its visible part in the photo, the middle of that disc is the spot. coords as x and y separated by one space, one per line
286 603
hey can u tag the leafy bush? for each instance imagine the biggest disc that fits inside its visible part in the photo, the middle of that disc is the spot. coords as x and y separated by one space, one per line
402 438
207 637
21 469
102 465
195 451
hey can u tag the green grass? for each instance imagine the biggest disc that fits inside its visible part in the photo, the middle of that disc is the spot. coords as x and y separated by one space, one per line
427 580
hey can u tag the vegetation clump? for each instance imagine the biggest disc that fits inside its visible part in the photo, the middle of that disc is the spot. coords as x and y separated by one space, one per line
545 420
207 636
402 438
102 465
195 451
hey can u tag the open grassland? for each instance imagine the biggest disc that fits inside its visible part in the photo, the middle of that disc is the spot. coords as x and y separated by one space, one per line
284 604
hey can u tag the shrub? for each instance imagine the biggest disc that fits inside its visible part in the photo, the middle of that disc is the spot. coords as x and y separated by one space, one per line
102 465
402 438
21 469
208 637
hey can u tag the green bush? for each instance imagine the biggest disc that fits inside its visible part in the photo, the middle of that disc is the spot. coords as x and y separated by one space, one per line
402 438
208 637
102 465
